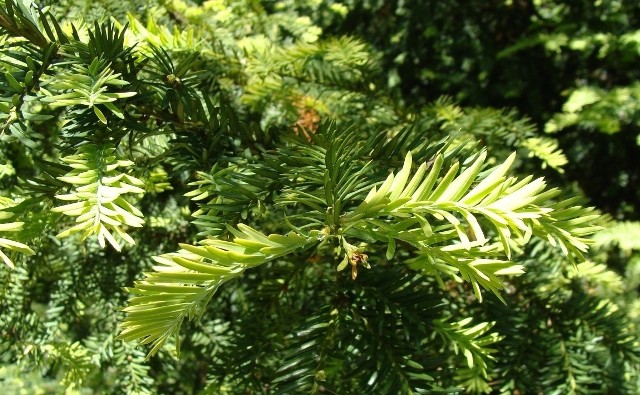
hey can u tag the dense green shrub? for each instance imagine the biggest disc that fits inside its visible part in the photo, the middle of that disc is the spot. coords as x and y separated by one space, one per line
222 198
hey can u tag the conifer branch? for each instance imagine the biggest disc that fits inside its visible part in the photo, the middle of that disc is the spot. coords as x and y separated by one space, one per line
182 283
97 200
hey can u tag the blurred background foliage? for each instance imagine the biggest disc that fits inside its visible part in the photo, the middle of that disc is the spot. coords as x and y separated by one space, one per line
556 81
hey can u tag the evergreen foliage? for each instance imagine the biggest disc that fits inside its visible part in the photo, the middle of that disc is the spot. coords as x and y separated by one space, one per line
216 198
571 66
